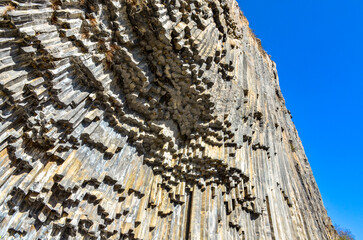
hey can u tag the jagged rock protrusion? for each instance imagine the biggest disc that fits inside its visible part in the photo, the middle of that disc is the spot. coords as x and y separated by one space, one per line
146 119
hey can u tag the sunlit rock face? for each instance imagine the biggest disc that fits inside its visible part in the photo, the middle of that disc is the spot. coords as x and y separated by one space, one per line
146 119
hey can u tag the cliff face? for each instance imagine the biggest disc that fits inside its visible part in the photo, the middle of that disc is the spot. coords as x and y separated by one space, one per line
146 119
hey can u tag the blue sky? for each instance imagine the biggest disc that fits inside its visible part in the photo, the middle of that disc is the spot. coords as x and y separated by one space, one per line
317 46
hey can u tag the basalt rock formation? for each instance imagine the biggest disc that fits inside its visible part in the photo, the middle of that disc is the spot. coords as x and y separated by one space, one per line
146 119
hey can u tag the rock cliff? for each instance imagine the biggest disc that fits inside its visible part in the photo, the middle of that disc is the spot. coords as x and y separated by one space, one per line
146 119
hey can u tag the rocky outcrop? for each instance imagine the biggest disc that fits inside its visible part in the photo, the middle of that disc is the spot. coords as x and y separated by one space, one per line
146 119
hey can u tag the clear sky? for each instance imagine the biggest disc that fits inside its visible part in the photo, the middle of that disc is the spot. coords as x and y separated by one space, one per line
318 48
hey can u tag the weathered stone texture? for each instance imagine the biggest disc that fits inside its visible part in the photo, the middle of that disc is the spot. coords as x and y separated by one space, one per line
146 119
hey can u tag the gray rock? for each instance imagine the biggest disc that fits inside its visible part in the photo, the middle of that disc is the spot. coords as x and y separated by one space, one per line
146 119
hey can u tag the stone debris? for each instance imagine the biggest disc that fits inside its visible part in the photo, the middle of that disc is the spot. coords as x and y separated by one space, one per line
146 119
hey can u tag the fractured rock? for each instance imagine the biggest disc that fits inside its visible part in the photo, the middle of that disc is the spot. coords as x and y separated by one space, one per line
146 119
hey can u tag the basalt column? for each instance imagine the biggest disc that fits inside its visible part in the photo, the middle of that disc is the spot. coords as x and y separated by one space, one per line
146 119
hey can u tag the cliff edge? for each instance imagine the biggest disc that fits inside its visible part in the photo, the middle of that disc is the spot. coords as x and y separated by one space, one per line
146 119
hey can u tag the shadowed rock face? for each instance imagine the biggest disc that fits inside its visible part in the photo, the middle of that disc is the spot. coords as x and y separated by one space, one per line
146 119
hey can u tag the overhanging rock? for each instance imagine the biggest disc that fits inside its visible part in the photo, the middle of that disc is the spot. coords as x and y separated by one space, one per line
146 119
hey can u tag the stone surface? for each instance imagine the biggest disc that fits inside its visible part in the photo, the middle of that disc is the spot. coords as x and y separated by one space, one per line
146 119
